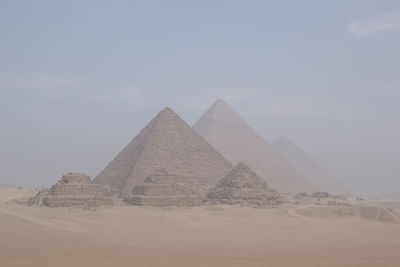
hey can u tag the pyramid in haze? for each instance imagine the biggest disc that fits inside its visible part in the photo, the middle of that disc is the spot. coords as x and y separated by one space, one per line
244 187
227 131
170 144
307 166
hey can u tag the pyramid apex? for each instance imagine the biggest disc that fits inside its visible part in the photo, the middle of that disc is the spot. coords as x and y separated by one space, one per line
167 112
167 109
220 101
222 112
220 104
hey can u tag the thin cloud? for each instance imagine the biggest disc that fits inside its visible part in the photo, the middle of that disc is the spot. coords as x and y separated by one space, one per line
389 21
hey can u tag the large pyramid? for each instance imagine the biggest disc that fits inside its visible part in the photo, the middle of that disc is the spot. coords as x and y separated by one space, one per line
227 131
306 165
167 143
242 186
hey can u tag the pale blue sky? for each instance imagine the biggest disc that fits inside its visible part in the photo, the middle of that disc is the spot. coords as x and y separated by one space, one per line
79 79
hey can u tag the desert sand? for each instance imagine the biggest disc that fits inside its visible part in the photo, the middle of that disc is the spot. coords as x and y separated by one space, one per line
196 236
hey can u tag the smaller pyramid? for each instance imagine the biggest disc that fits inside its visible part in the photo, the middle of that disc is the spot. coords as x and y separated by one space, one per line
241 186
73 190
161 189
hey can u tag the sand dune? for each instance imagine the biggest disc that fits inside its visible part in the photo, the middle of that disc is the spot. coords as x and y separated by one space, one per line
203 236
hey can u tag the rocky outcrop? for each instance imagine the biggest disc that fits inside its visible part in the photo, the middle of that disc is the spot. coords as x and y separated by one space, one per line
241 186
73 190
162 188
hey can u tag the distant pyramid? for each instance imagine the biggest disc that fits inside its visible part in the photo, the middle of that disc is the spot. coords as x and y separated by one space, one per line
244 187
307 166
228 132
170 144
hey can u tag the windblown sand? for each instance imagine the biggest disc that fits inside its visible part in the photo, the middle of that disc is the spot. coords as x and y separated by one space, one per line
205 236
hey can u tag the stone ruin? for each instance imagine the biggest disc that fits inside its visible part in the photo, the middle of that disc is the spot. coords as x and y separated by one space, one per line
241 186
73 190
373 213
321 198
321 195
162 188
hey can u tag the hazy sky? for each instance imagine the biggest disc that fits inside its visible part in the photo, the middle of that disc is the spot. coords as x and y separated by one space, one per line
79 79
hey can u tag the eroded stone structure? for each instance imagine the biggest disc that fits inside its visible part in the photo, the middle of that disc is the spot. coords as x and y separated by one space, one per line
73 190
162 188
241 186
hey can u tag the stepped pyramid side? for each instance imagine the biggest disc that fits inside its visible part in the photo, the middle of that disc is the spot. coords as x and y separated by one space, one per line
162 189
116 173
228 132
244 187
73 190
168 143
305 164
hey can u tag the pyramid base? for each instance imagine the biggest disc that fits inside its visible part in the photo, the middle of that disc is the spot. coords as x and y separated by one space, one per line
56 202
163 201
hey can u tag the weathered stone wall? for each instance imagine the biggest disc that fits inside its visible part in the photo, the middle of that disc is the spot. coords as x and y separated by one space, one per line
78 202
320 195
73 190
165 189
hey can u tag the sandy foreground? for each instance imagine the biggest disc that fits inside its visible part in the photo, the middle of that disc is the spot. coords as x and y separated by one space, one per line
205 236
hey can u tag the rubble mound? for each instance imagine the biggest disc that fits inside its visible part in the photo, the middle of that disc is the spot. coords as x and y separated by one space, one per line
321 198
373 213
377 214
243 187
320 195
162 188
73 190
